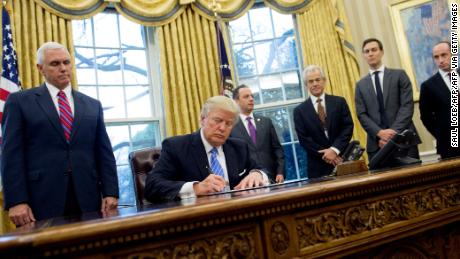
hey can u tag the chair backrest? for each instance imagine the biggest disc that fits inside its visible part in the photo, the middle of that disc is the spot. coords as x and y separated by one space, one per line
142 162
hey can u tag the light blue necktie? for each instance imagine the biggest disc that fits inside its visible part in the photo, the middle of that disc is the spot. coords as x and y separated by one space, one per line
216 168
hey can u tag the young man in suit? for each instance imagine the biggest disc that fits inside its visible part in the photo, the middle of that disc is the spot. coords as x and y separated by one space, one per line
57 159
323 124
384 106
260 134
435 101
205 161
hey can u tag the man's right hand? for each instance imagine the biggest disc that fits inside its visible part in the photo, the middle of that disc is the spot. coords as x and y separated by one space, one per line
212 183
21 214
386 134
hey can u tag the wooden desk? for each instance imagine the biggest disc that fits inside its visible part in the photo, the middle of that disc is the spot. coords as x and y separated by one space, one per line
401 212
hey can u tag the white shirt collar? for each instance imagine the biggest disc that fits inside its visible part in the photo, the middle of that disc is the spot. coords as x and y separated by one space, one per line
444 73
314 98
244 116
380 69
208 146
53 90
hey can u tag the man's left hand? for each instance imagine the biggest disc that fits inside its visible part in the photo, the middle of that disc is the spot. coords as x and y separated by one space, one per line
254 179
109 203
329 155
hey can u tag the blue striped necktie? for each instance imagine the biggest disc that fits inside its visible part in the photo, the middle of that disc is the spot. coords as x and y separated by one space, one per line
216 168
65 114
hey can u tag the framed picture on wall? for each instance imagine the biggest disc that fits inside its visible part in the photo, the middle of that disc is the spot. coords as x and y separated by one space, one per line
418 25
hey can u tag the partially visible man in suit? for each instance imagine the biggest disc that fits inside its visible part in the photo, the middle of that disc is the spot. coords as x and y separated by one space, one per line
435 101
383 100
260 134
57 159
323 124
205 161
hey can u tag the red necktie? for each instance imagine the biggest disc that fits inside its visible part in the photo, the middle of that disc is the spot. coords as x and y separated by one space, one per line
65 114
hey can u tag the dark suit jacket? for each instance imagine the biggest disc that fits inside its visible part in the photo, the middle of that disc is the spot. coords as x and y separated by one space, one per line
268 152
184 159
312 137
398 101
35 154
435 113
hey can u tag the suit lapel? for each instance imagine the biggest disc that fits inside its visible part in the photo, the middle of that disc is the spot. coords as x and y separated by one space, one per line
199 153
329 111
387 77
370 89
260 127
47 105
314 115
444 91
79 112
243 132
231 161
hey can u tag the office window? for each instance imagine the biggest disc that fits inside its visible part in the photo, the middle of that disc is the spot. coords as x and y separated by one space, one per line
114 66
266 59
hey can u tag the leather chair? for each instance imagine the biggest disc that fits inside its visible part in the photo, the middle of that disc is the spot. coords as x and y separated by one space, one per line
142 162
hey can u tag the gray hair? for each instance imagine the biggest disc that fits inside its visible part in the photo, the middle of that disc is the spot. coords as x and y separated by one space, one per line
47 46
310 69
220 102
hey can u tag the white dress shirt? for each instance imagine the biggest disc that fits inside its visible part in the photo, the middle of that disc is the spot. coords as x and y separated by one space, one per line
53 90
381 70
445 77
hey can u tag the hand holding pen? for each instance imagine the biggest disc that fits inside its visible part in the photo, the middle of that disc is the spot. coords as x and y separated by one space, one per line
212 183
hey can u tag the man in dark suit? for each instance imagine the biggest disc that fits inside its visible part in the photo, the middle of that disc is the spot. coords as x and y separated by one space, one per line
260 134
323 124
384 106
57 159
435 102
205 161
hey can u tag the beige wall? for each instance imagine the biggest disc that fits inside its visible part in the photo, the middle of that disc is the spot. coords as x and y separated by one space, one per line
371 18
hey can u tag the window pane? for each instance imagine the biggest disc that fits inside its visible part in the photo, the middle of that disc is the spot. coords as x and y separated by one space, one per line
289 164
108 66
245 61
119 137
89 90
279 118
84 64
287 52
292 85
283 24
135 67
126 186
106 30
301 160
132 34
82 33
112 102
137 100
239 30
272 88
266 57
144 135
261 26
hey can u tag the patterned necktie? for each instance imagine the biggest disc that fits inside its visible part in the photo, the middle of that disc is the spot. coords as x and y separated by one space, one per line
216 168
321 113
378 89
252 130
65 114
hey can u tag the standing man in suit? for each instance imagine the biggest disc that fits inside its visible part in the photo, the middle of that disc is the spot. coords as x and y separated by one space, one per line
57 159
205 161
323 124
260 134
384 106
435 101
